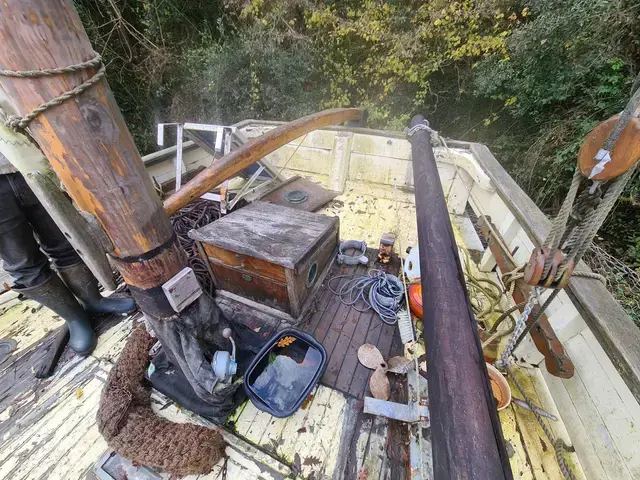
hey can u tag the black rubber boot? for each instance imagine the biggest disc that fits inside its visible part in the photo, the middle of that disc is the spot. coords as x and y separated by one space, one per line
54 294
84 286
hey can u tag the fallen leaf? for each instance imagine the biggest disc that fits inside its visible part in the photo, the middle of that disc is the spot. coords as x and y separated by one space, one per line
285 341
312 461
306 402
79 393
302 429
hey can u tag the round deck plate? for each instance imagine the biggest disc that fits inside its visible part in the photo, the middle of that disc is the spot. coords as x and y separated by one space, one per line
296 196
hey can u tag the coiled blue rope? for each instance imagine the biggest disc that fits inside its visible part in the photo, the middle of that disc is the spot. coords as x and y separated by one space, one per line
377 290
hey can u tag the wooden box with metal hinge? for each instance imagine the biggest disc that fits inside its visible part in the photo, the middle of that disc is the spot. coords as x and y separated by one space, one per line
269 254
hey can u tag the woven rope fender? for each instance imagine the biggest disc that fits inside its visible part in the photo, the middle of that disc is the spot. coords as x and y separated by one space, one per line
130 427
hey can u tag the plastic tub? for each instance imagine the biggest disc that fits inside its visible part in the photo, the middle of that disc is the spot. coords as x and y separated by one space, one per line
284 372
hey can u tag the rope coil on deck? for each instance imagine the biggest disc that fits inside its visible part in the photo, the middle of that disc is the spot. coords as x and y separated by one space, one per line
378 290
20 123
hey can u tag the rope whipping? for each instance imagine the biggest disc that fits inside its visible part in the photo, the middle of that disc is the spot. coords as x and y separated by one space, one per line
377 290
20 123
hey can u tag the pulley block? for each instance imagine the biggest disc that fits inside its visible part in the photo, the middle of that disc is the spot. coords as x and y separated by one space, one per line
599 164
534 270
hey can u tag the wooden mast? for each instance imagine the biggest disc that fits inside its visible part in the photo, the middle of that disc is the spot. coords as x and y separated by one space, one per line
466 435
88 144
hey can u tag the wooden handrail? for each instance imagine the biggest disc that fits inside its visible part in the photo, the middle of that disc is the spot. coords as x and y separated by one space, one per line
239 159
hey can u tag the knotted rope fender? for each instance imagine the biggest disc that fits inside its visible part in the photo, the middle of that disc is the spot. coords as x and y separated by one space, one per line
130 427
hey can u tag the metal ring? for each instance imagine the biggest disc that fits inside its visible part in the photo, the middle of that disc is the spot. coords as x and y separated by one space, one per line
359 257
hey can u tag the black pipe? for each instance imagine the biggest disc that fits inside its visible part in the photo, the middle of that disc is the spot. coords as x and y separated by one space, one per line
466 436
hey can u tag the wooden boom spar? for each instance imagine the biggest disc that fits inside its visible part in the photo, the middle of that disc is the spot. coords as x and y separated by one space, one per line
466 436
239 159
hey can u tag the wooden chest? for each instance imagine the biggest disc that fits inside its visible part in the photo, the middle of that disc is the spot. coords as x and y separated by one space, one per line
270 254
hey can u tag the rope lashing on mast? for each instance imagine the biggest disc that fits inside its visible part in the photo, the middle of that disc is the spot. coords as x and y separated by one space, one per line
20 123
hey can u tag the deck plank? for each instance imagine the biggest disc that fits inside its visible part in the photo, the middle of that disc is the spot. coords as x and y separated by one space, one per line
342 329
38 446
360 381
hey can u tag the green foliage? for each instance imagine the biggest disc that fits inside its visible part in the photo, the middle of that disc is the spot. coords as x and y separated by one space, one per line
382 54
141 42
247 77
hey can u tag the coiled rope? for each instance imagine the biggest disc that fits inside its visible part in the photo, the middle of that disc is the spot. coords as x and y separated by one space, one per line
377 290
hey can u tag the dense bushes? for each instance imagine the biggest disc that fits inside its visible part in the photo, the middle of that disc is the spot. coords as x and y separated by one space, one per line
529 78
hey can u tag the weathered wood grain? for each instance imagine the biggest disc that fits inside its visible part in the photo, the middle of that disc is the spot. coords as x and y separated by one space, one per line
318 196
273 233
255 287
467 442
245 262
86 139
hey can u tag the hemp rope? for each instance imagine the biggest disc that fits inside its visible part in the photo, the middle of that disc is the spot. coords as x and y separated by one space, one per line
20 123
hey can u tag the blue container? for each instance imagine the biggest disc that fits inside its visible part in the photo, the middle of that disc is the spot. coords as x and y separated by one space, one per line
284 372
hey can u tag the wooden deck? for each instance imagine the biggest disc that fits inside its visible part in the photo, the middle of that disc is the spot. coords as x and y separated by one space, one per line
342 329
48 428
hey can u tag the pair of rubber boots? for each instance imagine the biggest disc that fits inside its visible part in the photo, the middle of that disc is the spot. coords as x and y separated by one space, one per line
73 294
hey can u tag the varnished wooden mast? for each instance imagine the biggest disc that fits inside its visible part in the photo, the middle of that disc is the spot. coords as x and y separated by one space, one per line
88 144
466 436
239 159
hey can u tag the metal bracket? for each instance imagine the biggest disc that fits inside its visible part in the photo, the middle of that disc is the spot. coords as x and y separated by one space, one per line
411 413
223 140
603 156
182 290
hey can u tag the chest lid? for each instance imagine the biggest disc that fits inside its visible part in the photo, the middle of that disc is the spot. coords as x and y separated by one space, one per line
270 232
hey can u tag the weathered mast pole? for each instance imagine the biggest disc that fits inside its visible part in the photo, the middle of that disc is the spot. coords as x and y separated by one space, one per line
88 144
466 436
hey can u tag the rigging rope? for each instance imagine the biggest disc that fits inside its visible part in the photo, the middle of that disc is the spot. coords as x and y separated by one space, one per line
20 123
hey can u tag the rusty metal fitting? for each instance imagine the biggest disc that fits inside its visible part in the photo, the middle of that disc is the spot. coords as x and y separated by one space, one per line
534 268
386 247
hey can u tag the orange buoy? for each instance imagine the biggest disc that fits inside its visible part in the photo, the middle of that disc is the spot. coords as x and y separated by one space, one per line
415 299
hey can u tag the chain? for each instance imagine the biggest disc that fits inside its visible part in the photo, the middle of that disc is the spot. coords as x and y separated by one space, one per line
559 446
420 126
20 123
517 330
505 363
